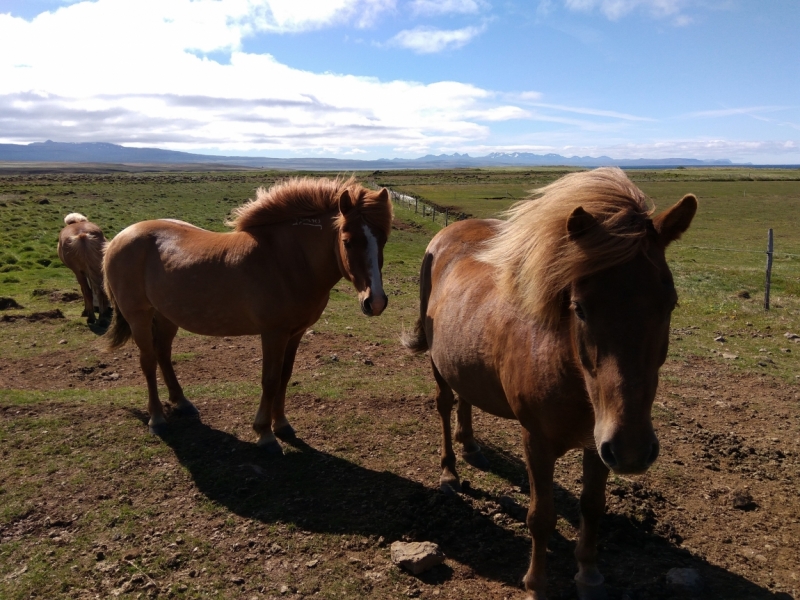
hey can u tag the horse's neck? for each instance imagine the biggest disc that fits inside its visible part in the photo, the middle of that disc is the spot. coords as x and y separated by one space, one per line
317 240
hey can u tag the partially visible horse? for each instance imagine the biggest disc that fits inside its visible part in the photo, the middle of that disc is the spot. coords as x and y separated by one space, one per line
557 317
80 247
271 277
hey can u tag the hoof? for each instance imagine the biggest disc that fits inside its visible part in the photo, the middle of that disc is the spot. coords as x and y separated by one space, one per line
186 409
158 430
591 591
449 487
272 448
286 433
476 459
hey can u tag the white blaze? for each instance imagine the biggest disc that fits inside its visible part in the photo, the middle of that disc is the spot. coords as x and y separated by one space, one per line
375 282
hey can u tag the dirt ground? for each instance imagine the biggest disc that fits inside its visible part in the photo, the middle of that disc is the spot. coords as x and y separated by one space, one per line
208 515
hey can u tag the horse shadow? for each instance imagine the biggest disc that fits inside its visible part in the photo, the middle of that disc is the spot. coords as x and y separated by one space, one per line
635 554
322 493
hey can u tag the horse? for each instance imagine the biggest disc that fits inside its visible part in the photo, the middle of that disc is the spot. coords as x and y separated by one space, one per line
271 276
80 247
557 316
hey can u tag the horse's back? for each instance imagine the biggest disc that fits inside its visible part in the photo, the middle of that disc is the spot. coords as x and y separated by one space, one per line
79 242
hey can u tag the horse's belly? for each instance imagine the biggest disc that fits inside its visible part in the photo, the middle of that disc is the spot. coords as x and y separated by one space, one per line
475 382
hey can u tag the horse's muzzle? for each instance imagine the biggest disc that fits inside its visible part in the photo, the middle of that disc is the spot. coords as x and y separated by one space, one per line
372 307
628 463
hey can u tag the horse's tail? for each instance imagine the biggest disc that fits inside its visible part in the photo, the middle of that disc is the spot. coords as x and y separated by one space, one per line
417 341
119 331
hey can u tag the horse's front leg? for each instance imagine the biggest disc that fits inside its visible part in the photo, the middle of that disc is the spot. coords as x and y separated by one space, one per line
273 348
470 450
280 423
541 511
593 505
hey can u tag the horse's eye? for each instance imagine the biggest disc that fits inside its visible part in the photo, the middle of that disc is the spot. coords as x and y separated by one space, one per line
346 242
578 311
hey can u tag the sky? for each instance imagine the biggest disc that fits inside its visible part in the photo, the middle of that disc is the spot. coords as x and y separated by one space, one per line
707 79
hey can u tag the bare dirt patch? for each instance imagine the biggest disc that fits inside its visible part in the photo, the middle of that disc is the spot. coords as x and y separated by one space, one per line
202 509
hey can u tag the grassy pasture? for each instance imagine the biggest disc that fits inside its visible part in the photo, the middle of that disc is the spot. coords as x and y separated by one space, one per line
182 515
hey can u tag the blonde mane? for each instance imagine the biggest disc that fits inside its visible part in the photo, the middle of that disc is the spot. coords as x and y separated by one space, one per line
74 218
535 258
303 197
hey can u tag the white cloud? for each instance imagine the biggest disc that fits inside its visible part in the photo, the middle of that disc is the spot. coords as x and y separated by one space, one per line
443 7
428 40
729 112
616 9
591 111
132 71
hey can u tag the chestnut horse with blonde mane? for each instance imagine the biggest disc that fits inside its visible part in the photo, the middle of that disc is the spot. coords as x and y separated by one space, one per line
80 247
557 317
271 277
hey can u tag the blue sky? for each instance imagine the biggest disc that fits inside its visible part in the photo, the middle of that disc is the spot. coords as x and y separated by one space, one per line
403 78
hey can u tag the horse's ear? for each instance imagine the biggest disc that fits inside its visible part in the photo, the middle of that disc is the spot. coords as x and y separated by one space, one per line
580 223
671 224
383 195
345 202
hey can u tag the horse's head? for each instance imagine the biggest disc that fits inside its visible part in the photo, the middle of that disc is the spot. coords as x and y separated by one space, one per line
620 330
364 227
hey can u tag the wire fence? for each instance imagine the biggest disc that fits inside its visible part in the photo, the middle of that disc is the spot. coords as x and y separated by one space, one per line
425 209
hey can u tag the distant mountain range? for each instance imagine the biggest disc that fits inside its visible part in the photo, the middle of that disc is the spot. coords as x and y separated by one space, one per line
97 152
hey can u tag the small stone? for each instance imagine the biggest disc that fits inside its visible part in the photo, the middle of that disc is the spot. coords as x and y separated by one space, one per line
791 336
237 580
312 563
730 356
369 363
742 500
334 358
284 589
416 557
62 341
684 580
719 339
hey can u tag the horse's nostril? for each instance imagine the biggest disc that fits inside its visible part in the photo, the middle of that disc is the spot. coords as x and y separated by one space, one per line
366 306
607 454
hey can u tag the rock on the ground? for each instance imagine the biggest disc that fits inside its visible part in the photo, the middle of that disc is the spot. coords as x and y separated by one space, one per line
684 580
742 500
416 557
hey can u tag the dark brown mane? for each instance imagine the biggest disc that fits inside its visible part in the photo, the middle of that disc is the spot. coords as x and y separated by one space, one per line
303 197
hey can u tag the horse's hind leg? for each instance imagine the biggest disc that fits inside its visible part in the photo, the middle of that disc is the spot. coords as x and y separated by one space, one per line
471 451
448 482
593 504
280 423
141 323
164 332
86 291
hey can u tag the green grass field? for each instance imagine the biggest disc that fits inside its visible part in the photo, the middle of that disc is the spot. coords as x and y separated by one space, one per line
158 510
719 264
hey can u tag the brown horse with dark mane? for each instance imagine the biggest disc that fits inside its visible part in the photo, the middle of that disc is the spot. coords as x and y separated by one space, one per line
80 247
271 277
557 317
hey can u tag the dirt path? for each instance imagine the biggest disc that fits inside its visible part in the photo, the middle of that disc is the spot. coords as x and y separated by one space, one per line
203 513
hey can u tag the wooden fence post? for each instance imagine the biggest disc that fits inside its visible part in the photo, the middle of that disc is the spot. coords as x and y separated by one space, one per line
769 270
